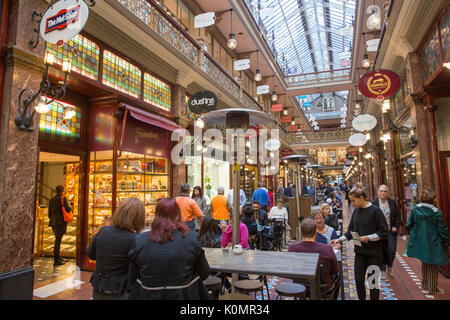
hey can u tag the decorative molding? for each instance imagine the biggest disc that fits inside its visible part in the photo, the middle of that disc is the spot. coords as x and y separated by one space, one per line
16 57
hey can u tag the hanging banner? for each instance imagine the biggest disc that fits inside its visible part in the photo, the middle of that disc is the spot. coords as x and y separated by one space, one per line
63 21
262 89
379 84
277 108
204 20
286 119
243 64
293 128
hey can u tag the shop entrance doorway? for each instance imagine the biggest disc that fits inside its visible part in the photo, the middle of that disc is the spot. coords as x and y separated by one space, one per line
56 169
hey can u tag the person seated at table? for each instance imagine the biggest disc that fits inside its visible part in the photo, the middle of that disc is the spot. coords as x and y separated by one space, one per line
331 219
209 233
248 218
260 213
309 244
324 233
227 233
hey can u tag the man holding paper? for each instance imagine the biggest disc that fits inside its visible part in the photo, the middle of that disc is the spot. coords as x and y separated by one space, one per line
368 229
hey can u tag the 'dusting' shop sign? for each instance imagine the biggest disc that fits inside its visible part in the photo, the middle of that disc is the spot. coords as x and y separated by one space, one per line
63 21
202 102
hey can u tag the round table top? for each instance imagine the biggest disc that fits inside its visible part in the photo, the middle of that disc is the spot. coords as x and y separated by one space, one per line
290 288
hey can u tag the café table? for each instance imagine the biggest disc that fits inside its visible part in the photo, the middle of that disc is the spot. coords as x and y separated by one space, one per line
292 265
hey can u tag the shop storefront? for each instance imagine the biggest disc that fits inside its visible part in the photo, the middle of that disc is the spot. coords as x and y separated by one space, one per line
108 141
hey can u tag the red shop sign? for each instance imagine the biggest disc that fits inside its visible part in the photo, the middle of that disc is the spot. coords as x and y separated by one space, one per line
286 119
379 84
293 128
277 108
286 152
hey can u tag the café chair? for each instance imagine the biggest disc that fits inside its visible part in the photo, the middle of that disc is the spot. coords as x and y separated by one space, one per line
249 286
235 296
213 284
331 293
293 290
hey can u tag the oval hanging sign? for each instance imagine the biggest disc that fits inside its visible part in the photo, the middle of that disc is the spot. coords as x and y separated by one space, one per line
357 139
202 102
379 84
63 21
364 122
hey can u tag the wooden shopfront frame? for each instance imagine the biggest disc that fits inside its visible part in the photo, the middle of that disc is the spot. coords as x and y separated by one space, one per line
98 95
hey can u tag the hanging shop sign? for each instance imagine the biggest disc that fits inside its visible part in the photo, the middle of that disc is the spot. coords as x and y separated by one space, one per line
364 122
379 84
286 152
411 161
243 64
372 45
273 144
286 119
202 102
63 21
307 105
357 139
204 20
277 108
293 128
262 89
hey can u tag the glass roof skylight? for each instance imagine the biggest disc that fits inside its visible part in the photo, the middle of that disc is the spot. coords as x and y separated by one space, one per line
308 36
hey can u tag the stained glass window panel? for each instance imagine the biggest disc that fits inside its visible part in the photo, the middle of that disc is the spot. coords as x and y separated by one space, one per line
84 53
445 34
121 75
56 126
157 92
430 58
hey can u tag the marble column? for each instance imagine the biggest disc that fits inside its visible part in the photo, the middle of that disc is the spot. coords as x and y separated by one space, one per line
19 152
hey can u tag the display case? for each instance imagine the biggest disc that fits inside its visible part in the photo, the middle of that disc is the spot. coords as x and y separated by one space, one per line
138 176
46 237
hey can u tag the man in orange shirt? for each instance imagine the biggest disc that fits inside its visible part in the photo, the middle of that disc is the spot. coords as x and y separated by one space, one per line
188 207
219 207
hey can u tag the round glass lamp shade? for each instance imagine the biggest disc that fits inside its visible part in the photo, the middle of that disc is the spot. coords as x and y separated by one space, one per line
258 75
232 42
274 96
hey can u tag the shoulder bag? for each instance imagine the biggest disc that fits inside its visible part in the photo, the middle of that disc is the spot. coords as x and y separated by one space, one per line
68 216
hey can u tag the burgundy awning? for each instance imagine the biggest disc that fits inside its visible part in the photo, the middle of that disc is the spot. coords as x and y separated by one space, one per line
149 118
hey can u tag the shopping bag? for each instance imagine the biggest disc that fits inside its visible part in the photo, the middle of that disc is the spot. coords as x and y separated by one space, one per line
68 216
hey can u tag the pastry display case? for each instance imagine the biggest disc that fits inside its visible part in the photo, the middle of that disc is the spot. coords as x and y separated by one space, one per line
138 176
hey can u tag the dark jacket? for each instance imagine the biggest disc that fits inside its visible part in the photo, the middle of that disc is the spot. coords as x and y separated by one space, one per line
110 248
55 213
395 216
333 221
367 221
173 263
263 218
428 235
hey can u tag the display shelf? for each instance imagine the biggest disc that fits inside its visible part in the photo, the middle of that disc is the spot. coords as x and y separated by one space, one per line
141 176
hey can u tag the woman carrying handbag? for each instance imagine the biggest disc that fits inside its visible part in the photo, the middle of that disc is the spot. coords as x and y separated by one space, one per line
428 240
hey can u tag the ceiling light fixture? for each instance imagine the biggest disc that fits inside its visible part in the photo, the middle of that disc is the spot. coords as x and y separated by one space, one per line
232 42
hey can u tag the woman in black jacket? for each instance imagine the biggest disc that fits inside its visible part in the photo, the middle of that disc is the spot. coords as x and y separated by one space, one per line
168 263
110 248
369 223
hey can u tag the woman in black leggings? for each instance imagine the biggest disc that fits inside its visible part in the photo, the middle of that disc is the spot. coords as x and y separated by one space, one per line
370 224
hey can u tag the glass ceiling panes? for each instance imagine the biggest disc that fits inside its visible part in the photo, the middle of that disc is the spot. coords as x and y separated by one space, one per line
307 35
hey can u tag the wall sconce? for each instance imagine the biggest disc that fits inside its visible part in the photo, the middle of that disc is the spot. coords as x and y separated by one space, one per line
25 118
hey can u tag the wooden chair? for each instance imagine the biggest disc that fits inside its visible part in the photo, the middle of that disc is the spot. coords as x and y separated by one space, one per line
213 284
249 286
325 268
295 290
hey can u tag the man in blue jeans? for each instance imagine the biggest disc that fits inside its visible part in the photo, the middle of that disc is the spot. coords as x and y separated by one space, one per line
393 219
262 197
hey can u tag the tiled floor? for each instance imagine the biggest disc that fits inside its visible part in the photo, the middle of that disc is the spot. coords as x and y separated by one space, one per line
68 283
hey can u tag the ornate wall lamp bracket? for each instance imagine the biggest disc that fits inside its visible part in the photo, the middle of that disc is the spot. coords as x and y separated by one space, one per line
36 17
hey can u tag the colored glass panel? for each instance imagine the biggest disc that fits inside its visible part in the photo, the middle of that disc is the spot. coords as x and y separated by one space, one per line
430 57
121 75
445 34
54 126
84 53
157 92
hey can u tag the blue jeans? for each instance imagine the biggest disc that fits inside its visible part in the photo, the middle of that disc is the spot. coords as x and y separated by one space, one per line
392 242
